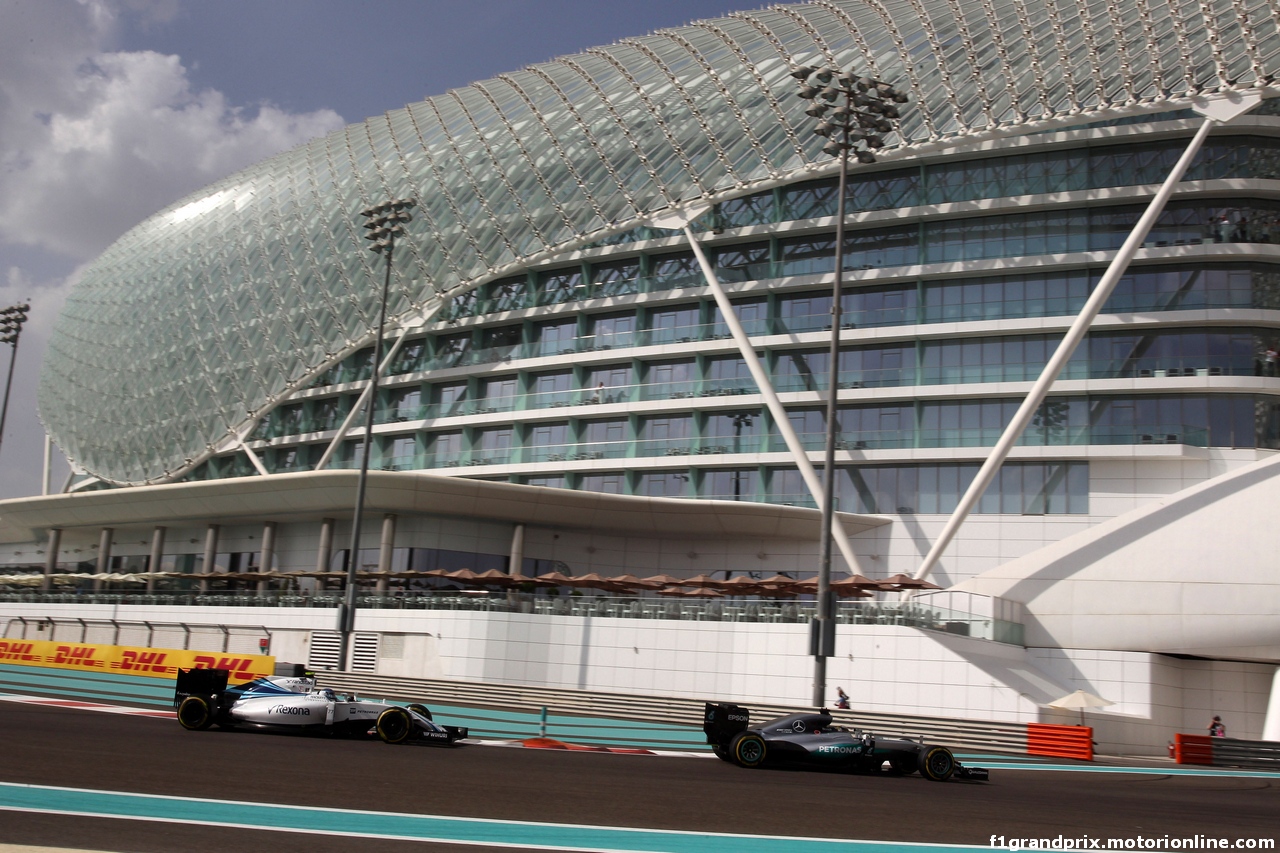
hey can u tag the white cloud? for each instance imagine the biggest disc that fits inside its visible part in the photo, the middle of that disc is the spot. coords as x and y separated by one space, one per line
92 141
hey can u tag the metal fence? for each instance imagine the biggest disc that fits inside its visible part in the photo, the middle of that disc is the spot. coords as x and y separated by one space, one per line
729 609
233 639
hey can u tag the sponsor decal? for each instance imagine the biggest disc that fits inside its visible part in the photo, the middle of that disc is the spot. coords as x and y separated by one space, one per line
131 660
738 718
78 656
290 710
17 652
797 726
839 749
240 667
144 662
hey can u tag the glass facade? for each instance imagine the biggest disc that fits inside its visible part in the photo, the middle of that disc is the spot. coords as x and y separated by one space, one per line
542 334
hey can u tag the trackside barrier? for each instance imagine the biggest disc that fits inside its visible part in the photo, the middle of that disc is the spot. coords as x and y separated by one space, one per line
680 711
1059 741
129 660
1225 751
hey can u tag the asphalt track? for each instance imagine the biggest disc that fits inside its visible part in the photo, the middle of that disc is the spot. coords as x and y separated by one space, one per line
569 798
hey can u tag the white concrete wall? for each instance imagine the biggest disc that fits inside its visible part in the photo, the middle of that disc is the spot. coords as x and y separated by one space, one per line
883 668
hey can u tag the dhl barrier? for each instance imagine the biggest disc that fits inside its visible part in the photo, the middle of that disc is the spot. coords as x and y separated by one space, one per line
1226 751
131 660
1060 741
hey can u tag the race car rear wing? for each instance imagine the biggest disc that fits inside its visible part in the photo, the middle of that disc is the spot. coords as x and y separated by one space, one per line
205 683
720 722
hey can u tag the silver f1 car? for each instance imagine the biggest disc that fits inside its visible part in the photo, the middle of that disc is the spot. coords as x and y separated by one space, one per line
294 703
810 738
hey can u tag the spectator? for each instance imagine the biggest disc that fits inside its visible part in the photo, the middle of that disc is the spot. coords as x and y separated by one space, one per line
1271 358
842 698
1216 728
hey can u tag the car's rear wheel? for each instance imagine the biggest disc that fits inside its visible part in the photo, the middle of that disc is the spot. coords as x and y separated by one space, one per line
195 713
420 710
748 749
937 763
394 725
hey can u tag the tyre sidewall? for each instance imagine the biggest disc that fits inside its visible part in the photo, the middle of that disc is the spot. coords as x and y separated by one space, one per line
937 754
194 714
748 750
394 725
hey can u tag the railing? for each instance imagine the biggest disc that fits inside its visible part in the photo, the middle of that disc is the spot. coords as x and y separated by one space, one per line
986 736
731 609
114 632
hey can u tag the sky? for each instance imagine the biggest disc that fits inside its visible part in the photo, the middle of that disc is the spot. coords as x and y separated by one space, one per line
112 109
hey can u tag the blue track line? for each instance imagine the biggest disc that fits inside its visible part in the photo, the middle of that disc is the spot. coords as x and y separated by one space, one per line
436 828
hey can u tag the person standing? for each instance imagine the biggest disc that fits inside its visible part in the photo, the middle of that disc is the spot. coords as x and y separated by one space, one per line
842 698
1216 728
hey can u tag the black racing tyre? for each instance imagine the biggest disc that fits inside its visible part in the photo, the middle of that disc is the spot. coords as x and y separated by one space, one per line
936 763
903 765
722 752
748 749
420 710
195 713
394 725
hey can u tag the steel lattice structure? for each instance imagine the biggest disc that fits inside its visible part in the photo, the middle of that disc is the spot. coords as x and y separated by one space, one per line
202 318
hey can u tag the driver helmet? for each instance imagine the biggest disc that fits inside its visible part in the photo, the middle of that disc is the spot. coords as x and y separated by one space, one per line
328 694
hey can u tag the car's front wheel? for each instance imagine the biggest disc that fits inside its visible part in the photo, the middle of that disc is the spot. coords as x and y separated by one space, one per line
195 713
937 763
395 725
420 710
748 749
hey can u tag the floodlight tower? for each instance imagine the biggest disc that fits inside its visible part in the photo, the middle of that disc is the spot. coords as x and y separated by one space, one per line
385 222
854 112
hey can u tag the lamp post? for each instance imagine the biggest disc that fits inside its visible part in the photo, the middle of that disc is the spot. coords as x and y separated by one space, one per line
385 223
854 112
11 320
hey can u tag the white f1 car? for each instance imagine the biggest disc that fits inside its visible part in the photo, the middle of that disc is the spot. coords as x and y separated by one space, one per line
294 703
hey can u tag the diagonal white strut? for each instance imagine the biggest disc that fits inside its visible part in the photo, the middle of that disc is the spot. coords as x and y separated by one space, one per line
779 412
1218 110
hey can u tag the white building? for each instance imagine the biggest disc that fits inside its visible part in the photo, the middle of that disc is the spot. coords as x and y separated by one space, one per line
562 390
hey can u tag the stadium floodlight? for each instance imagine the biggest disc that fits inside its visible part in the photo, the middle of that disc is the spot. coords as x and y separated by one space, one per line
11 320
385 223
849 108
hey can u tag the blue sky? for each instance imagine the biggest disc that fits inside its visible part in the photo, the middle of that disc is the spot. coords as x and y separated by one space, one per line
112 109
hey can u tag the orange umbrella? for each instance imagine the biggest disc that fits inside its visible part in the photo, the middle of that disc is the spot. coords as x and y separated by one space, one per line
635 582
904 581
702 581
741 585
554 579
691 593
663 580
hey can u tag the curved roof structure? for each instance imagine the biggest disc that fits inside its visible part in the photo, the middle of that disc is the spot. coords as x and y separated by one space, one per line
200 319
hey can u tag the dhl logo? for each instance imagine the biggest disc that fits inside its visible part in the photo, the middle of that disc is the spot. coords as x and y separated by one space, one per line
18 651
143 662
239 667
133 660
77 656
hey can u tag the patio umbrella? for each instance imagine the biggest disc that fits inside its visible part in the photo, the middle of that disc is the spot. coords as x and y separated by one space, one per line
1080 699
496 578
705 581
841 588
741 585
706 592
554 579
635 582
663 580
904 581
